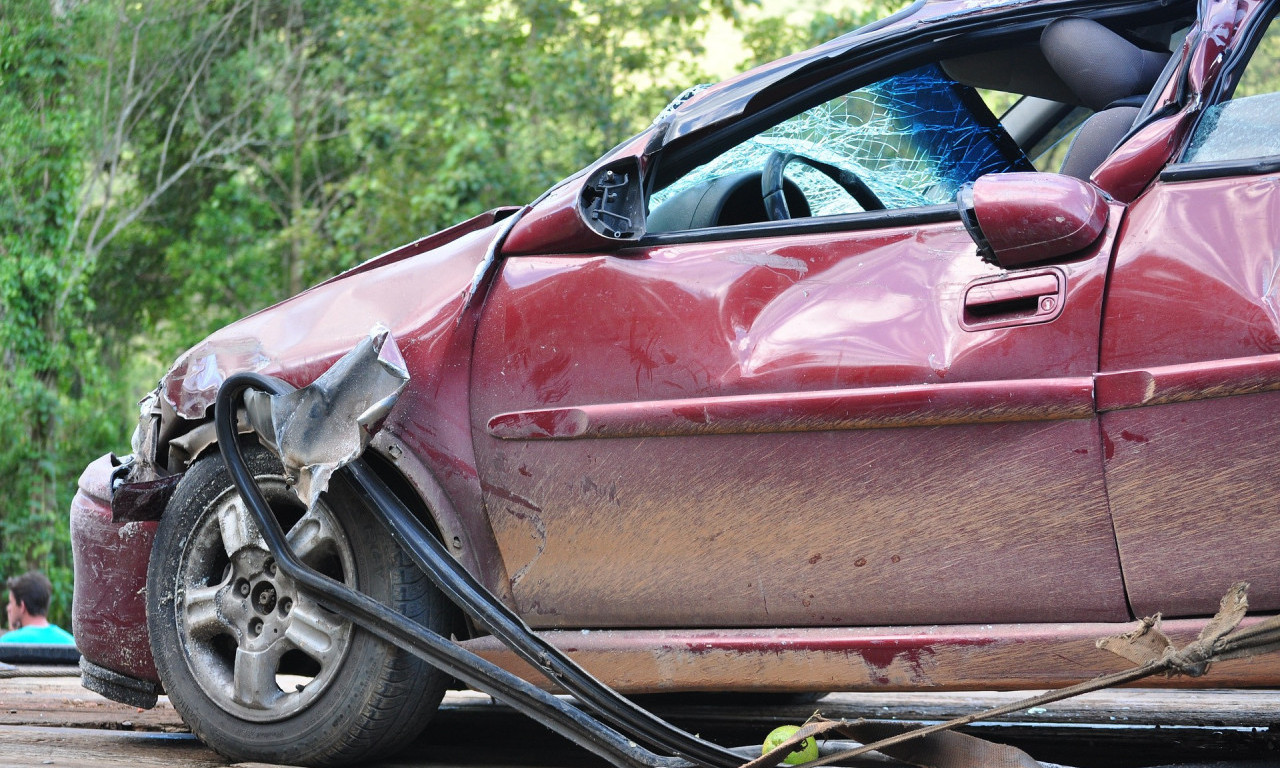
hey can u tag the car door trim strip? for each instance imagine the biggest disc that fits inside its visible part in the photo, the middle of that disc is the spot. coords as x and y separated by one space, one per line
1161 385
927 405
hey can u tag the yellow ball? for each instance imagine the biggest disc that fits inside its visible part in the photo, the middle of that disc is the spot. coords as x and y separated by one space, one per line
806 752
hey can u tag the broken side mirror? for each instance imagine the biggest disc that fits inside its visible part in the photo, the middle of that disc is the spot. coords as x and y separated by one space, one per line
601 209
1020 219
612 201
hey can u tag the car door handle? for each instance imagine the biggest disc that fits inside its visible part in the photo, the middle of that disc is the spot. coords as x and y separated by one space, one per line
1025 299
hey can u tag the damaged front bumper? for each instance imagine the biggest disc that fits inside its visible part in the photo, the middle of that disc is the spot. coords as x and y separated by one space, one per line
109 609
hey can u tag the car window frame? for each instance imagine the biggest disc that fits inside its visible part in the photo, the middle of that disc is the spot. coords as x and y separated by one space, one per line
853 70
1246 44
845 222
686 155
950 111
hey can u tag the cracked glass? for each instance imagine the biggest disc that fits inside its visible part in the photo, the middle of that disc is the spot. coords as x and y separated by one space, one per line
914 139
1245 126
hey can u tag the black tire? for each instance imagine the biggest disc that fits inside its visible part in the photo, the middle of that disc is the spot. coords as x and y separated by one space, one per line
230 633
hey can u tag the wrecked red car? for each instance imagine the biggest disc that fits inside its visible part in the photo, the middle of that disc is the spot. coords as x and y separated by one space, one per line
831 379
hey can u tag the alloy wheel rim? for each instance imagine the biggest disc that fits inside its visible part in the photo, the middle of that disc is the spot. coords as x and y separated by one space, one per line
256 645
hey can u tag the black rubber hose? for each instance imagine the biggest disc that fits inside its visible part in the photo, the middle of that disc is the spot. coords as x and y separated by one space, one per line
555 713
467 593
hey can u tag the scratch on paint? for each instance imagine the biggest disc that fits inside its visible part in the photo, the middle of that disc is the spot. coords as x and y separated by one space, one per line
540 533
763 597
533 515
769 260
1072 662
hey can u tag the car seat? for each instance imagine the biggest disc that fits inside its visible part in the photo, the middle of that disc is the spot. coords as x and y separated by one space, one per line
1109 75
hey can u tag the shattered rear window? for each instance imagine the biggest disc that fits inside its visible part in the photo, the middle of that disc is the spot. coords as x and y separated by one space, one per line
913 138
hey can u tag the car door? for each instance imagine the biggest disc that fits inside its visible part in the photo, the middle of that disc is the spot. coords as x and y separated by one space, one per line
840 418
1191 345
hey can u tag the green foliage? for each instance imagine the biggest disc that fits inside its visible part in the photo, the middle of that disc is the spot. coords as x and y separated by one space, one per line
167 166
772 37
48 405
1263 72
462 105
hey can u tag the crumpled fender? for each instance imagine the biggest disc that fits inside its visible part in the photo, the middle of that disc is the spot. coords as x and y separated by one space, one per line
428 293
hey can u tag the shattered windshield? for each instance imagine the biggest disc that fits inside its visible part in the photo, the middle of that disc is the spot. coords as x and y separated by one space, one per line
913 139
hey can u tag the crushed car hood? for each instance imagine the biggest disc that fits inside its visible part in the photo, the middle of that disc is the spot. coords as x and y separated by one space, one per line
416 290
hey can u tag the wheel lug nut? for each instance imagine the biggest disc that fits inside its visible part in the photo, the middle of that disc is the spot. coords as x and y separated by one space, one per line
286 605
255 627
244 589
270 567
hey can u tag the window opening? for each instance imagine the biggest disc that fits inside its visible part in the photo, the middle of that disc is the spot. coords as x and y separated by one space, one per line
913 138
1247 125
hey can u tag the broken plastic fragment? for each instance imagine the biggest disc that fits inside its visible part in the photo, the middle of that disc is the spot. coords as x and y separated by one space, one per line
328 423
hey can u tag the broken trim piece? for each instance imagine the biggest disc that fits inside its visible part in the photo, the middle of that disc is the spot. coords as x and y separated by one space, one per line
1161 385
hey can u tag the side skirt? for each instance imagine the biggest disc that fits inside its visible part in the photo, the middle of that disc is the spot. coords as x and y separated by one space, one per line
985 657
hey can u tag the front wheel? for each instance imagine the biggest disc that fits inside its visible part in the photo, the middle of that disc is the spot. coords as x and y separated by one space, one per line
258 669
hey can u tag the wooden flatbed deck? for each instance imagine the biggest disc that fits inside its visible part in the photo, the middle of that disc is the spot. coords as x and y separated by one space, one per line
53 721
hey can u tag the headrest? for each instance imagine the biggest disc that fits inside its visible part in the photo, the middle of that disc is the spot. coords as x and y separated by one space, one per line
1098 65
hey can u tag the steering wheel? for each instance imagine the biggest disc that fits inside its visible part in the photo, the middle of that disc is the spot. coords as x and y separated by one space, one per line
771 184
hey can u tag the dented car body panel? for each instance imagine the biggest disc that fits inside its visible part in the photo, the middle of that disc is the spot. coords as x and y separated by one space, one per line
425 300
855 321
1194 293
826 452
109 609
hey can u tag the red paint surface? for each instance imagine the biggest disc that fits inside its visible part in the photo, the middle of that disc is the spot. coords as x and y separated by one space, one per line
1195 500
734 382
1031 217
1197 277
109 611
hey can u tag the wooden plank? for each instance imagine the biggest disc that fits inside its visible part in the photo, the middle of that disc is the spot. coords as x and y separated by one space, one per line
53 721
24 745
61 701
1147 707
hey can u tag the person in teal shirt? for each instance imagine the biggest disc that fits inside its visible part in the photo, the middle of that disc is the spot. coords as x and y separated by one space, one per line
28 604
